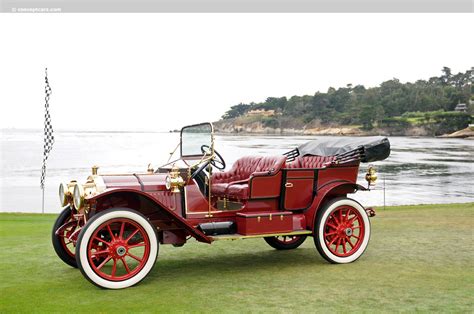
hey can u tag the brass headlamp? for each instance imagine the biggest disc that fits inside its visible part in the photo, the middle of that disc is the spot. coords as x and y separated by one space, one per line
174 181
82 190
65 192
75 193
371 175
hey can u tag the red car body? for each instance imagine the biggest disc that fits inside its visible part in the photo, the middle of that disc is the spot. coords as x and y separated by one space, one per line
289 188
279 198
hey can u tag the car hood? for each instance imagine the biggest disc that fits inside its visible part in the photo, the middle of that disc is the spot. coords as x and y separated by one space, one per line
145 182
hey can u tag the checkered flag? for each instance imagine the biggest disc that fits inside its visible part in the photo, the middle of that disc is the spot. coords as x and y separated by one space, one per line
48 129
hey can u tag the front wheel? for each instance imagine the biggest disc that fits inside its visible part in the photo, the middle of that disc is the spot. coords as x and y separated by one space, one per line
117 248
342 231
64 236
285 242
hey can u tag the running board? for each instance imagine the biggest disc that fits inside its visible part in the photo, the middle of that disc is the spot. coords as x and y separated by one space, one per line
237 236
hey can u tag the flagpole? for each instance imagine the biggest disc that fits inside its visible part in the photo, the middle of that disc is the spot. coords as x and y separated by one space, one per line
42 203
384 191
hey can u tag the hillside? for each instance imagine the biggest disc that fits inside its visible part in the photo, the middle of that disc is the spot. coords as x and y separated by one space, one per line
425 107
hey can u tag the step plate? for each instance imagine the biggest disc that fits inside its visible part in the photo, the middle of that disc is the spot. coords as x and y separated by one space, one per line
240 236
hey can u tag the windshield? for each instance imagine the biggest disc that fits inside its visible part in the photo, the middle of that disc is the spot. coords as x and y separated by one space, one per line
193 137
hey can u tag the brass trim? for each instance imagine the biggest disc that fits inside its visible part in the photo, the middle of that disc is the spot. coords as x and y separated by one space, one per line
198 213
371 175
174 150
99 184
239 236
175 180
185 202
209 185
150 169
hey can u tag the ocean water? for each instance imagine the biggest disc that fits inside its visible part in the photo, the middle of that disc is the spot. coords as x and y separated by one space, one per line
418 171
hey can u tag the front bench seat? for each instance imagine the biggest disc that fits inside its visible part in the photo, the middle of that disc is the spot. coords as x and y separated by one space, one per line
234 184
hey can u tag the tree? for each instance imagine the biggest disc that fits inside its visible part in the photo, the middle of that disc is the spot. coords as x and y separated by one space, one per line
446 77
358 104
379 114
236 111
366 117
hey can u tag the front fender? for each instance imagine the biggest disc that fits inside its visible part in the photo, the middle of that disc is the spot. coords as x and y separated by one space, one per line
198 235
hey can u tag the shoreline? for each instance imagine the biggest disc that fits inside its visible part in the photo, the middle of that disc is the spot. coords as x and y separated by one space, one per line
231 128
353 135
362 134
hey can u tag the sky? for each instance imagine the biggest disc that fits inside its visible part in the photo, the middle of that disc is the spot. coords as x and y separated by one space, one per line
163 71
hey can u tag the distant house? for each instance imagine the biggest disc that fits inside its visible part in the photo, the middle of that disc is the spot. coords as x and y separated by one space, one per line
461 108
261 112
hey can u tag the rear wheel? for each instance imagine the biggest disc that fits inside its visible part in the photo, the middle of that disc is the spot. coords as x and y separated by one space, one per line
285 242
64 236
117 248
342 231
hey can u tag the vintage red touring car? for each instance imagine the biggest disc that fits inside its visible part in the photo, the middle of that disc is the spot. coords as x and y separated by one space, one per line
112 225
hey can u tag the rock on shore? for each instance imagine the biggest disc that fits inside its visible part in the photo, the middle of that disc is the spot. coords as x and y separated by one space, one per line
257 127
464 133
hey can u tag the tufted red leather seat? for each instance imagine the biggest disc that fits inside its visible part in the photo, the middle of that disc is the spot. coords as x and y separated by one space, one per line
310 162
241 170
235 183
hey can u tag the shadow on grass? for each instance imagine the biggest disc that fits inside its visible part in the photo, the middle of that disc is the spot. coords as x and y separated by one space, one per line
209 263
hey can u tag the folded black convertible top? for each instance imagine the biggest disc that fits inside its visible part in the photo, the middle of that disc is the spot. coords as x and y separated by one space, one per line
365 149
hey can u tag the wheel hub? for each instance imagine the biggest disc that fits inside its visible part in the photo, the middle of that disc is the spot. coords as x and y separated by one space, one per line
121 251
344 230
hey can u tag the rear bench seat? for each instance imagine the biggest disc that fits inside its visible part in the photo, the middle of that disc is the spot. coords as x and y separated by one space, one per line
234 183
310 162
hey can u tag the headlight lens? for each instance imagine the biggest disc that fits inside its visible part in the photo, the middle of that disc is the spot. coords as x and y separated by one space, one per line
62 194
168 182
78 196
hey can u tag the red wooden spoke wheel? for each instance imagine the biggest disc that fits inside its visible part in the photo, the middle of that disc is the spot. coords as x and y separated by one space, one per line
285 242
117 248
342 231
64 236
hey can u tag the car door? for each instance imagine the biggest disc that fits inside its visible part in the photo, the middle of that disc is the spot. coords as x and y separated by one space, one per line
298 188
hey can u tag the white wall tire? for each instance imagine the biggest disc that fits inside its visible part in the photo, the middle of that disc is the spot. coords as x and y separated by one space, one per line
342 231
97 249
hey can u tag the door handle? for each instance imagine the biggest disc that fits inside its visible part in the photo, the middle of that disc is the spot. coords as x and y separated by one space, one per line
288 185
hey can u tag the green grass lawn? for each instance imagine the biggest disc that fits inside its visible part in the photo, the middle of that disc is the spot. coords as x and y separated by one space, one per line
420 258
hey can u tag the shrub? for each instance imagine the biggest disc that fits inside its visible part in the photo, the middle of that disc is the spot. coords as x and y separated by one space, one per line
397 123
448 122
270 122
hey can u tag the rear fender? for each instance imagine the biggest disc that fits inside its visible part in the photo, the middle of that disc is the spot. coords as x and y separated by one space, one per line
327 192
135 199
